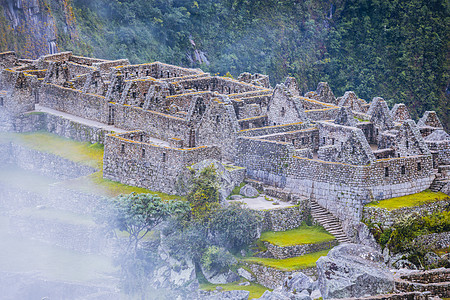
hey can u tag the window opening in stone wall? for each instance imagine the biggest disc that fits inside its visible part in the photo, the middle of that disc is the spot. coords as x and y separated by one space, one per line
142 137
303 141
147 73
111 113
324 140
217 119
164 157
143 152
134 94
283 111
403 170
407 144
293 141
122 149
386 172
1 101
332 141
137 73
419 167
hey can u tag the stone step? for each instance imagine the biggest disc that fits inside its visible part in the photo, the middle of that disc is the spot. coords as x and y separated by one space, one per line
328 221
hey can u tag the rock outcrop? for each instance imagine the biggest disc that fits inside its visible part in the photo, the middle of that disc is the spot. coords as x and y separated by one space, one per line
351 270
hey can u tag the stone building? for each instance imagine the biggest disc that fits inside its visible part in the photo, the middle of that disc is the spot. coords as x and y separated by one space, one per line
157 119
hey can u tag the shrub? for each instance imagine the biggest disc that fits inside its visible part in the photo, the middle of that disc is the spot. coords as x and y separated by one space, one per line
235 226
216 258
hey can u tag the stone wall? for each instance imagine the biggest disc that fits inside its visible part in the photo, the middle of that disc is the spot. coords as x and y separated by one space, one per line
341 188
273 278
75 102
283 219
387 218
436 281
147 165
46 163
298 250
434 240
157 124
256 132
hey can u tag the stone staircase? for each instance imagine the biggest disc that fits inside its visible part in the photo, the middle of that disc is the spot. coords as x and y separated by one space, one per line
437 185
329 222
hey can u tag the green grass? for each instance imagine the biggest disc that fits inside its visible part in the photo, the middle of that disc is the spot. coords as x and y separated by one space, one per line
299 236
289 264
256 290
237 188
409 201
80 152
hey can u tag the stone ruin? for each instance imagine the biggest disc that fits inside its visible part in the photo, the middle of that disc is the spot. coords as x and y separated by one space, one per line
156 120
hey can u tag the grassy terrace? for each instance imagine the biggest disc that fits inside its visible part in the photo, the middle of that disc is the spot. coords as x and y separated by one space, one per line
255 290
289 264
79 152
299 236
409 201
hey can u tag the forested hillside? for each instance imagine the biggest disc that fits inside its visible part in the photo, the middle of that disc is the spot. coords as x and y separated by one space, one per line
398 50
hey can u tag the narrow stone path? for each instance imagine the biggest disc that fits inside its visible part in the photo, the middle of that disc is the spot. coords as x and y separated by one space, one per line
87 122
328 221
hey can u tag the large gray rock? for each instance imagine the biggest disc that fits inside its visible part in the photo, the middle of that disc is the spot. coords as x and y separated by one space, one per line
351 270
297 282
246 274
279 294
248 191
228 295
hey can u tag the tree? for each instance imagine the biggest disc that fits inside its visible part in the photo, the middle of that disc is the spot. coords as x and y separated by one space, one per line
204 194
138 214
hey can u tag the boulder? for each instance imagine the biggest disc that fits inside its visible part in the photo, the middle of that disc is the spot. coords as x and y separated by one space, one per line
297 282
279 294
404 264
351 270
228 295
246 274
248 191
216 277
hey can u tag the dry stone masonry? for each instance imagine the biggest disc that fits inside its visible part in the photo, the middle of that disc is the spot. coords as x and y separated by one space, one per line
158 119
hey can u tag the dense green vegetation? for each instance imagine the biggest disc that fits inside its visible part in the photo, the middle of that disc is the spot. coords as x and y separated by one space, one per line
409 200
393 49
401 237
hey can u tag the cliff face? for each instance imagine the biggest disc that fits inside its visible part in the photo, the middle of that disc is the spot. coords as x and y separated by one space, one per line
28 27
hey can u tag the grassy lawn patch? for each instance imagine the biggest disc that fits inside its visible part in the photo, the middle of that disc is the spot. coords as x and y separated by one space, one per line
256 290
299 236
80 152
409 201
289 264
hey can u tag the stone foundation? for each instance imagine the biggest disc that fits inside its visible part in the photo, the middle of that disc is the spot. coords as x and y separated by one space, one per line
298 250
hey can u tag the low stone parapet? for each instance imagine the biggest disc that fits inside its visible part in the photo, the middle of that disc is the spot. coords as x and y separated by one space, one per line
273 278
436 281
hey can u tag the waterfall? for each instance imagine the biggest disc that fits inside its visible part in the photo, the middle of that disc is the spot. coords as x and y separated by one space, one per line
52 47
